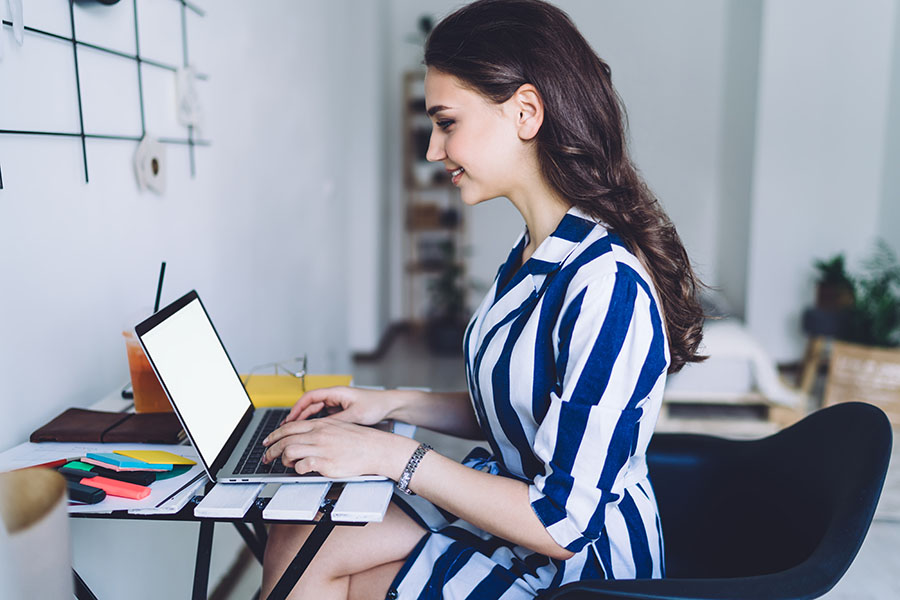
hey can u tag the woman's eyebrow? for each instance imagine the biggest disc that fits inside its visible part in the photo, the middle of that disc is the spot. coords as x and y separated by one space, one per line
436 109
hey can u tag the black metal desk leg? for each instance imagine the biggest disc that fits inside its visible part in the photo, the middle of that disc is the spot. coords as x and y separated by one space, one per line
261 534
201 567
82 591
256 546
312 544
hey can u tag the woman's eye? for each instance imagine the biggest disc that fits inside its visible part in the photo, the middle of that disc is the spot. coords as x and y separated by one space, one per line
444 124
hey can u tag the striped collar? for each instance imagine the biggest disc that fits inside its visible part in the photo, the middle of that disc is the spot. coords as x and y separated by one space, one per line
553 251
550 255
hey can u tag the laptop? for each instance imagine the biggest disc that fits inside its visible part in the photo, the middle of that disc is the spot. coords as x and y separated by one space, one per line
209 398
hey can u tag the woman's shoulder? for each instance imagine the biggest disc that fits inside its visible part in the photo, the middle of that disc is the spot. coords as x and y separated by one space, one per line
601 258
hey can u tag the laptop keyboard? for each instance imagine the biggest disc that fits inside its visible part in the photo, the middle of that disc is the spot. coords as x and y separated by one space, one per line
251 460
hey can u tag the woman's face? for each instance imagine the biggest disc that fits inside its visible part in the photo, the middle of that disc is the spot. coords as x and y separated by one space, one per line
476 139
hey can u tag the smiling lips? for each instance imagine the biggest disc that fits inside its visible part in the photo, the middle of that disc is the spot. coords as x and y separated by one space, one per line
456 174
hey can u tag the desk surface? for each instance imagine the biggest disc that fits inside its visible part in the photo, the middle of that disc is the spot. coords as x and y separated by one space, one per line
356 502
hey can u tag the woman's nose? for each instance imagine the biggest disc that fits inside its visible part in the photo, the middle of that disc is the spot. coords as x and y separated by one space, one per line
435 148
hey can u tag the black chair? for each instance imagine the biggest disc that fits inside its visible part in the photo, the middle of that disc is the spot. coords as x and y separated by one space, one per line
779 518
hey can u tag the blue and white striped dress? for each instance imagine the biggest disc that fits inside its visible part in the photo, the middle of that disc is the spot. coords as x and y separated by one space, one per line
566 361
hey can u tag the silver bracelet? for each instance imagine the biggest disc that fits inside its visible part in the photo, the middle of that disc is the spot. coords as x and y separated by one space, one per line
414 460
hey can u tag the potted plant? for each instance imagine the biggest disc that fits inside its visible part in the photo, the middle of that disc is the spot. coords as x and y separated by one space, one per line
834 287
874 317
834 297
865 361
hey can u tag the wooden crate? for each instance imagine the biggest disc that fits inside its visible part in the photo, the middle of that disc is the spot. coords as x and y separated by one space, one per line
865 374
749 415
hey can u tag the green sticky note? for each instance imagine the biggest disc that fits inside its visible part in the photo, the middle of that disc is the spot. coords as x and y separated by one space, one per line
176 471
77 464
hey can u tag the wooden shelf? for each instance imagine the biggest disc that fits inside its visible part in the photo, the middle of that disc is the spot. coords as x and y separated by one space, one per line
429 268
430 198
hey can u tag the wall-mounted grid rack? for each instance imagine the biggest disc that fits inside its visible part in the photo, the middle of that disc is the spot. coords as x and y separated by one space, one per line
190 141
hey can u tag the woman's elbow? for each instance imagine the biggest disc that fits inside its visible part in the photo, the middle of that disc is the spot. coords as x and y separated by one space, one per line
557 552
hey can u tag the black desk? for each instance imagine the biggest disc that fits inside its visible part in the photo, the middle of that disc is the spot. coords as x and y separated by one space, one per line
255 539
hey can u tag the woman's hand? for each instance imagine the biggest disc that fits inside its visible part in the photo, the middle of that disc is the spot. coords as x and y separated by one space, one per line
352 405
335 448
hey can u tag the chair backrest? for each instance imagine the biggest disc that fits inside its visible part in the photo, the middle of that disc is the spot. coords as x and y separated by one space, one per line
800 499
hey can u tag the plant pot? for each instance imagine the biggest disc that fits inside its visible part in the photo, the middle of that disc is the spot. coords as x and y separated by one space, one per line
833 296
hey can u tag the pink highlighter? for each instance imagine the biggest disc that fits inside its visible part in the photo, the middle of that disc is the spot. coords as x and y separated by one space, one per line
123 489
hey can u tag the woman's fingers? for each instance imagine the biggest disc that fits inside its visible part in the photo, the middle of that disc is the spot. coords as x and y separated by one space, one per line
310 464
310 410
307 399
284 448
328 446
289 450
288 429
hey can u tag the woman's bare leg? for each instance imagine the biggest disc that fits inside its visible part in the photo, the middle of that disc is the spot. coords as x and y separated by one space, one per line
374 583
347 552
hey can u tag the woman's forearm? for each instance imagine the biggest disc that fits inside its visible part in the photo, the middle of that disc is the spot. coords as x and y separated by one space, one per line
496 504
445 412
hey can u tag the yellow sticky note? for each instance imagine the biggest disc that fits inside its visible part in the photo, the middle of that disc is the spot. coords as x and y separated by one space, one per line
156 457
285 390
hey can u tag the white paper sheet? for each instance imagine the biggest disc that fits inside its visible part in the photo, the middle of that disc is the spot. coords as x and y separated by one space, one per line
164 494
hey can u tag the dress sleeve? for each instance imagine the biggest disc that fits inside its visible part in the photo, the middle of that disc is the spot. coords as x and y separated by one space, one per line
611 353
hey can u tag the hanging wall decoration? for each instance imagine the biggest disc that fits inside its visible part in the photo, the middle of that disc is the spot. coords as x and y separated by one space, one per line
188 108
187 103
150 165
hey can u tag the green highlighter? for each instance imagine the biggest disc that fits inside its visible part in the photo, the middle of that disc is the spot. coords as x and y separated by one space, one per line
136 477
77 464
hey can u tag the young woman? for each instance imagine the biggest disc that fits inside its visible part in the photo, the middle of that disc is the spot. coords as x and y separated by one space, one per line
566 357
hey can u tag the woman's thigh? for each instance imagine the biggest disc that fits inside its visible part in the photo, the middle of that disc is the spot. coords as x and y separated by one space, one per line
374 583
349 550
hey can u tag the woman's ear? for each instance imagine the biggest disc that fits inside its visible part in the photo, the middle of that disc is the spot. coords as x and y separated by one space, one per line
529 109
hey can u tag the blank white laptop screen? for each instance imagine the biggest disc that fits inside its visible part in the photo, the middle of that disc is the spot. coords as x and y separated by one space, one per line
199 377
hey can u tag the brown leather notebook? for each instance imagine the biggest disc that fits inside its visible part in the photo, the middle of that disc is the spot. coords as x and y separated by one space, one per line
147 428
82 425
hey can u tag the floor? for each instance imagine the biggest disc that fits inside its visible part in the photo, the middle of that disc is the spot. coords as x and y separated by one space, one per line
874 575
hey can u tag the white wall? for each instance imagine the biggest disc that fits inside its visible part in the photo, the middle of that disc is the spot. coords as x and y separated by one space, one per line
889 218
261 231
667 61
737 141
817 183
365 157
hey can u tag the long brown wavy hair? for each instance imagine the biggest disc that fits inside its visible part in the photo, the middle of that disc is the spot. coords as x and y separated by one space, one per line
494 47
